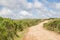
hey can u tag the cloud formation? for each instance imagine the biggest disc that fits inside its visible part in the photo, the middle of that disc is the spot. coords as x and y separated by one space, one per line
17 9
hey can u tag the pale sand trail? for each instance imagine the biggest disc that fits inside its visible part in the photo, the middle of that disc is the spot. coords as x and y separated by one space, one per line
39 33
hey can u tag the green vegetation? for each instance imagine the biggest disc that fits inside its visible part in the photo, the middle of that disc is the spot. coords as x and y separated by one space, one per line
53 25
9 27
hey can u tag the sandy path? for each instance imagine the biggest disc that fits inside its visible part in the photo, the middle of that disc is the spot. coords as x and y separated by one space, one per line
39 33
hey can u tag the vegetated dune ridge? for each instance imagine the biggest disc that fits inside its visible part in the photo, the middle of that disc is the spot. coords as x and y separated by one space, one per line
39 33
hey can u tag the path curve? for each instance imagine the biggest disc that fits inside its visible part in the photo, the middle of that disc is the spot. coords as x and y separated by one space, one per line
39 33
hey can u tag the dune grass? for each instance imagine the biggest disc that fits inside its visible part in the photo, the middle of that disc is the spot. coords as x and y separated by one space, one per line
10 28
21 35
53 25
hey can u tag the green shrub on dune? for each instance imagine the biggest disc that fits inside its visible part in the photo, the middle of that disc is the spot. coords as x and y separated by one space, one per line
53 25
9 27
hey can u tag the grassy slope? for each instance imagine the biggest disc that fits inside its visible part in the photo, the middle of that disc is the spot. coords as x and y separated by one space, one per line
32 23
21 35
53 25
11 28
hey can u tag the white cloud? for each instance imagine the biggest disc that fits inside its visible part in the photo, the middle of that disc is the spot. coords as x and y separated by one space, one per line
5 11
8 3
23 9
29 5
58 6
20 4
25 13
38 4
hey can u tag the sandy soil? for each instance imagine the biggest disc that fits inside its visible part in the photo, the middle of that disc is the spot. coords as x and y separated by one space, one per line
39 33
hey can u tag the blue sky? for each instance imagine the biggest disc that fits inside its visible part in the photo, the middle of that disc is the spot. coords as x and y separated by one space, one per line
30 0
54 1
20 9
